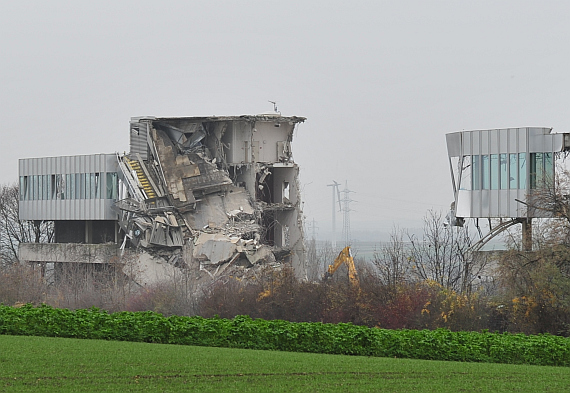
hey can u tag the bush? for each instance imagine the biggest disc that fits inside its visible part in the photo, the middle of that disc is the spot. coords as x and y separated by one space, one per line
245 332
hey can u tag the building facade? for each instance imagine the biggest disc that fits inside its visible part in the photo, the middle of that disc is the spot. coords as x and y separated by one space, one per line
494 172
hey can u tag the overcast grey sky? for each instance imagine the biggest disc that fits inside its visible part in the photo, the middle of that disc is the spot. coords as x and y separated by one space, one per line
380 82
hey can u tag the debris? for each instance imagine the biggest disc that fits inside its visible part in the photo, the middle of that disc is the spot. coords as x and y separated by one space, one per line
228 185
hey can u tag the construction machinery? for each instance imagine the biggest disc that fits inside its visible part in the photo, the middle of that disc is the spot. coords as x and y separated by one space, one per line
345 256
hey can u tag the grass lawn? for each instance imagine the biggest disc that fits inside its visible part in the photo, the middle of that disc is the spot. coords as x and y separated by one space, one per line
61 364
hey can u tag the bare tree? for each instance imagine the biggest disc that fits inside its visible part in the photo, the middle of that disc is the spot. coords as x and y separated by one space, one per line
13 231
313 268
325 257
443 255
391 261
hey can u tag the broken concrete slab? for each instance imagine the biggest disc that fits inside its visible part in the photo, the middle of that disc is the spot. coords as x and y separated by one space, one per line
214 208
263 254
213 248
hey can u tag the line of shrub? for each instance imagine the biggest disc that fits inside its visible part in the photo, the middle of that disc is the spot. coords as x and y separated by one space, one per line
244 332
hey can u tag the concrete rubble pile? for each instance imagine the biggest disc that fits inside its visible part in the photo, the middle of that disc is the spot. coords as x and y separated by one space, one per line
220 192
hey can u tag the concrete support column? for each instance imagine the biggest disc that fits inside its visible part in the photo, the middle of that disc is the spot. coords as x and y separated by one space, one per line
88 232
527 234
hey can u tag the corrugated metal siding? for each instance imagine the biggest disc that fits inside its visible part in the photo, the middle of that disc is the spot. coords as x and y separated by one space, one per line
138 139
484 203
69 209
68 164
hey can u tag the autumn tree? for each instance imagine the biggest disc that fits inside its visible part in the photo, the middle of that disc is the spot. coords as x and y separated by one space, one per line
535 281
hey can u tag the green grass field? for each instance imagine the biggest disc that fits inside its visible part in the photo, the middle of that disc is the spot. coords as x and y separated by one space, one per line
60 364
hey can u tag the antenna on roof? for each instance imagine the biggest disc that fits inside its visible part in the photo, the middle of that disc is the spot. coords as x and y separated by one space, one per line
274 106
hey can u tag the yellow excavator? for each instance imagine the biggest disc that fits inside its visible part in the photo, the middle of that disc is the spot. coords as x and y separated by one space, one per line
345 257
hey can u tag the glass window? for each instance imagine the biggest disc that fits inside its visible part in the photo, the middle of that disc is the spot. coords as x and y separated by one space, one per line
93 188
466 174
82 184
52 187
47 187
77 186
69 194
494 171
513 170
541 170
536 170
503 171
476 170
23 186
112 186
97 185
485 172
35 187
40 187
87 186
522 171
59 187
548 169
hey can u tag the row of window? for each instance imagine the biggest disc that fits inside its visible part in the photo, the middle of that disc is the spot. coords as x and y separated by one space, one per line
508 171
69 186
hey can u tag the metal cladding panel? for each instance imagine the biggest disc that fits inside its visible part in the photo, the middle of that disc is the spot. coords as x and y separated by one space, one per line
558 142
504 203
537 140
86 209
467 144
68 164
494 146
454 144
513 204
494 203
485 135
521 210
540 140
138 139
513 140
485 203
475 142
463 207
522 139
476 206
503 141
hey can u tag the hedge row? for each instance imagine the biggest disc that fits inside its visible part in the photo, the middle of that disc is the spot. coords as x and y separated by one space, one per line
243 332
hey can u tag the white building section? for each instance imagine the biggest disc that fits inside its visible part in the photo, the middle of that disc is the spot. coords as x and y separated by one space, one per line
494 172
68 188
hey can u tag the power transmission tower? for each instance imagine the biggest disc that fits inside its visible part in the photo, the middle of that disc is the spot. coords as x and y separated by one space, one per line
335 191
313 228
345 208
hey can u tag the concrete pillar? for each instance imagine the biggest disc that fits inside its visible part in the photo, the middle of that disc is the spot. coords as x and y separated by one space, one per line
527 234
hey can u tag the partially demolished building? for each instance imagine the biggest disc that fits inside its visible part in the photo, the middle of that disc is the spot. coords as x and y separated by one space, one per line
208 192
